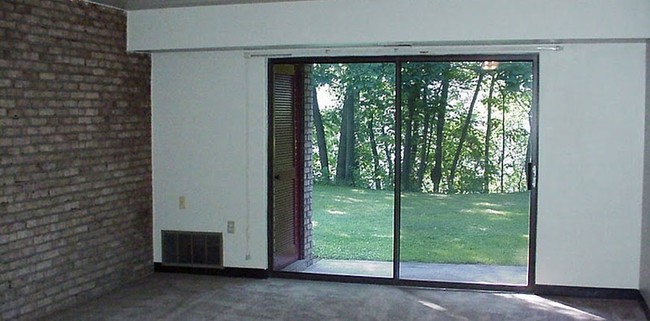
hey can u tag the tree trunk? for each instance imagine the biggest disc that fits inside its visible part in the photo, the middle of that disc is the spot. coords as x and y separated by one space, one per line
488 133
408 142
350 145
339 178
320 138
529 146
463 136
345 157
436 172
389 160
375 153
503 139
424 151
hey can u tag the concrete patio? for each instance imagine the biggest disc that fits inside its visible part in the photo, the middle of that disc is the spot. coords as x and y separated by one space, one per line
463 273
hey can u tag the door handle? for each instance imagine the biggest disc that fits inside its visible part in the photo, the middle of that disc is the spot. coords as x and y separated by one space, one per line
531 176
284 175
528 180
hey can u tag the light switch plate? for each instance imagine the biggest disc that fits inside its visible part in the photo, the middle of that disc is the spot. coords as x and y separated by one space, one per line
231 227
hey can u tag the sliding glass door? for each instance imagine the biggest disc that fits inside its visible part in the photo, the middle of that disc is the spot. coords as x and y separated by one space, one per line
414 168
466 149
353 107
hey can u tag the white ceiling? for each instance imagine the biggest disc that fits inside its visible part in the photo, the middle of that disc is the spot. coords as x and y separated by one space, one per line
154 4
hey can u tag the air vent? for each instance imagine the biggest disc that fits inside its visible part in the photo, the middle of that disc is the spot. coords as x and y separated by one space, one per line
196 249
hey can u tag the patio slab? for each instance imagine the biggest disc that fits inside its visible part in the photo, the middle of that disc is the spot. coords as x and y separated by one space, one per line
463 273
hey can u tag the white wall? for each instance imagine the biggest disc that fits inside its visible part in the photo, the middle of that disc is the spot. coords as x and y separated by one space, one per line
346 22
591 157
591 118
644 284
209 147
209 115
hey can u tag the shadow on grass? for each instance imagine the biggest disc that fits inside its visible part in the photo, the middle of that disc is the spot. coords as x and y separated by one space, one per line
357 224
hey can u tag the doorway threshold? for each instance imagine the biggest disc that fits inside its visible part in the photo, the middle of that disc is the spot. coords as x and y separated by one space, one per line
440 272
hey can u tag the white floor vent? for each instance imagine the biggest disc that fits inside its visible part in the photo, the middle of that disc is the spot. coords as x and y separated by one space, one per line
194 249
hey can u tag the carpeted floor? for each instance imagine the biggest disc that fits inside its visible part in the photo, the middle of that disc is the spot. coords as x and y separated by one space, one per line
191 297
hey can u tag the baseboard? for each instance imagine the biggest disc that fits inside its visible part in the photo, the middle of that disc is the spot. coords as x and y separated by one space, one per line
646 308
226 271
588 292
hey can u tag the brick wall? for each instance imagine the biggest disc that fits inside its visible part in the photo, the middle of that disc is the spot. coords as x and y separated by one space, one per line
75 156
308 256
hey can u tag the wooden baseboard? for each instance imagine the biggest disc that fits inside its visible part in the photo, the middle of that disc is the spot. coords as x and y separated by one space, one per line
226 271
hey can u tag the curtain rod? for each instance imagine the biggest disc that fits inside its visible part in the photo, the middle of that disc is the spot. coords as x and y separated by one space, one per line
400 49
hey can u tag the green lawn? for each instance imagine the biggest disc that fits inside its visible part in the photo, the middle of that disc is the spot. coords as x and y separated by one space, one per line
357 224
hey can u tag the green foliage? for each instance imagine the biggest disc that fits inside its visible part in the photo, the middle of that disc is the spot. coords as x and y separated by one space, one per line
422 84
332 125
375 84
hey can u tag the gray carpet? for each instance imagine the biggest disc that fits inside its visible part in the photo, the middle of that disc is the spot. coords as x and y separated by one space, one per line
191 297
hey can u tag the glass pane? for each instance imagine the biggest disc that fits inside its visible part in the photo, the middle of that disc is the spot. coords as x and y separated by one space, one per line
352 149
465 149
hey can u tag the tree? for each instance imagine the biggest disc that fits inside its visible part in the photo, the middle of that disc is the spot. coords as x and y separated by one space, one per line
388 151
453 138
375 153
320 137
409 126
463 136
503 141
488 134
436 171
424 151
345 158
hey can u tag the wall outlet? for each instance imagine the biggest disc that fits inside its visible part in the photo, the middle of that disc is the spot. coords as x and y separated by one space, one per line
231 227
181 203
248 257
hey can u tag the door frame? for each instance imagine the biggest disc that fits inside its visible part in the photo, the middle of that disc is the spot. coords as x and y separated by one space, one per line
298 157
533 58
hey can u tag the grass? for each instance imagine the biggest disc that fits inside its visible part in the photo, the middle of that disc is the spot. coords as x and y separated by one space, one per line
357 224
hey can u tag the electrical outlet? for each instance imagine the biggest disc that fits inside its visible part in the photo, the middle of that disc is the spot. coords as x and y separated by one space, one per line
181 203
248 257
231 227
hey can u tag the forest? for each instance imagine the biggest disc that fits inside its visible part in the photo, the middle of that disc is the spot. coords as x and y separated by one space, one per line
465 125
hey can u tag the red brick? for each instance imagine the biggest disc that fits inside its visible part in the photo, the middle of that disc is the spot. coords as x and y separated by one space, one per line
67 179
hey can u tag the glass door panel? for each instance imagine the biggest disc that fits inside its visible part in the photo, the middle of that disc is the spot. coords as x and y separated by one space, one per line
466 149
458 140
352 149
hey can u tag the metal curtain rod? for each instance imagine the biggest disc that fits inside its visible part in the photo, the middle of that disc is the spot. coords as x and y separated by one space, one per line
400 49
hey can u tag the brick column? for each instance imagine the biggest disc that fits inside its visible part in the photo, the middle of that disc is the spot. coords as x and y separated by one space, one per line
308 175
